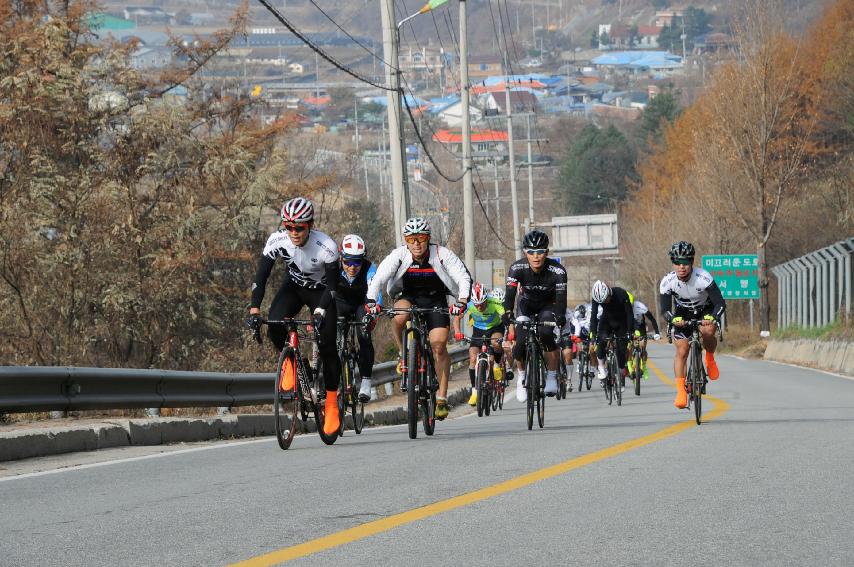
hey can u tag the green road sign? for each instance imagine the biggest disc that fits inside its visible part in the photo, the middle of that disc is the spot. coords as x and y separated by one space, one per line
737 275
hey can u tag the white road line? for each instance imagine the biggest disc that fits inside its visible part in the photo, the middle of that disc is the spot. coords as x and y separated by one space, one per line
798 366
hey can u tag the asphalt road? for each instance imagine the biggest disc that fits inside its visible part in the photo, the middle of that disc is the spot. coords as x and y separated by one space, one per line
766 482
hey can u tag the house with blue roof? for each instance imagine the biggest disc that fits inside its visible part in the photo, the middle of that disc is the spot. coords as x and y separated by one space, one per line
639 62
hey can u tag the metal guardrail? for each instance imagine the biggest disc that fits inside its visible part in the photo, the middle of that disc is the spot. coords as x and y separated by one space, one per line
58 388
816 288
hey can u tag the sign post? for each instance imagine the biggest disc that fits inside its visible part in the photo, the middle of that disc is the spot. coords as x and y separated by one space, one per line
737 275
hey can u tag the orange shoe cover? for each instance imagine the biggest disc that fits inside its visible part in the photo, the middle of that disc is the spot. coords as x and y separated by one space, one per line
331 419
681 395
712 366
288 376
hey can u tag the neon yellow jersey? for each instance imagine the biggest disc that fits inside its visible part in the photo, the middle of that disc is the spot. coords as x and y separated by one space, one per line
488 318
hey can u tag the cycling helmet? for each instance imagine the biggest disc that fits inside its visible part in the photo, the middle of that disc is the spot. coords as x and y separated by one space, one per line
352 247
498 294
601 291
298 209
581 310
478 293
682 251
416 225
536 239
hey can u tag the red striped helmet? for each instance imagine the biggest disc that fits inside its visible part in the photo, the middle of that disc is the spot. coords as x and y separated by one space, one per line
298 209
478 293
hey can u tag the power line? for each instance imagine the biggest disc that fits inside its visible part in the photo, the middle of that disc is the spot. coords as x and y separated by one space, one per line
486 216
319 51
426 151
356 41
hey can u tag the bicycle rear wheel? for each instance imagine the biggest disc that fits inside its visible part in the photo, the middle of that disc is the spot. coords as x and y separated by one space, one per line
319 408
412 361
638 373
285 403
344 389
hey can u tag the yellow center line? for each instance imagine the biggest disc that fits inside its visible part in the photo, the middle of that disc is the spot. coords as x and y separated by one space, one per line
390 522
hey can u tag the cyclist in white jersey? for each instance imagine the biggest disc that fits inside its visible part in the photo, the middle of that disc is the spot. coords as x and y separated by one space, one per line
696 296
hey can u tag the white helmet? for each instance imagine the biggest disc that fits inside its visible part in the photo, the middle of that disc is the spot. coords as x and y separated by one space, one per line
497 294
416 225
352 247
298 209
601 291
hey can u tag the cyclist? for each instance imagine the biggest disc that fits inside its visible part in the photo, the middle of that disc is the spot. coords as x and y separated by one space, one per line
422 274
351 290
484 314
541 285
567 342
642 313
612 313
696 295
498 294
312 264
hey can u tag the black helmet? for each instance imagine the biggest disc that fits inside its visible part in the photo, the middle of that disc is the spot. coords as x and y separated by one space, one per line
682 251
536 239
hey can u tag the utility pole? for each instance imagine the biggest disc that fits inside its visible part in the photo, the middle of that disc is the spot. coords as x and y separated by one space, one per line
316 75
468 187
398 164
356 117
530 173
514 196
497 197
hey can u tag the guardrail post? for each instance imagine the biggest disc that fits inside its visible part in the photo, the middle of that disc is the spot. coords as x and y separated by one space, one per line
815 290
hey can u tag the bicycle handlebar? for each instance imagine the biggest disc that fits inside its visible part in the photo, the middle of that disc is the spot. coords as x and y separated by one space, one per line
308 323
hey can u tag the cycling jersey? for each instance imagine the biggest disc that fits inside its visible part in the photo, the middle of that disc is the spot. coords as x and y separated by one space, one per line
696 294
617 314
310 266
355 290
421 279
537 289
489 318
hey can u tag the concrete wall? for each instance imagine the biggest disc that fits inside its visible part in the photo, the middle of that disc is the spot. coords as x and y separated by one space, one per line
834 356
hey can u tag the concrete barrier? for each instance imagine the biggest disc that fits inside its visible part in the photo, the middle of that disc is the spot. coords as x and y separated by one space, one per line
43 441
834 356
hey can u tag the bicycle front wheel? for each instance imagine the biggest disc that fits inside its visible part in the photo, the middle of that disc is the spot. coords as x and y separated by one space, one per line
357 407
412 361
618 380
532 384
638 373
428 397
481 376
319 407
696 378
285 402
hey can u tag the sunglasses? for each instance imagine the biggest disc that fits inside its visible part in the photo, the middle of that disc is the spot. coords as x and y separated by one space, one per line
535 251
352 263
420 238
683 261
295 227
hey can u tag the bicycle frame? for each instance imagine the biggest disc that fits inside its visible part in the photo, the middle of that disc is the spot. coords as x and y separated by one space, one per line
695 374
419 369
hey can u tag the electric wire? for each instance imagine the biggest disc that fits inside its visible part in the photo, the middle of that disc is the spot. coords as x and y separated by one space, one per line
340 66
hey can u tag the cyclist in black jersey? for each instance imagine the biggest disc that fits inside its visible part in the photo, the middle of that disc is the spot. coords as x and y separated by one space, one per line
351 291
312 263
540 282
613 314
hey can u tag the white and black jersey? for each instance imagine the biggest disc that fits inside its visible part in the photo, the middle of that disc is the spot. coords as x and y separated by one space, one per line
697 294
310 266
